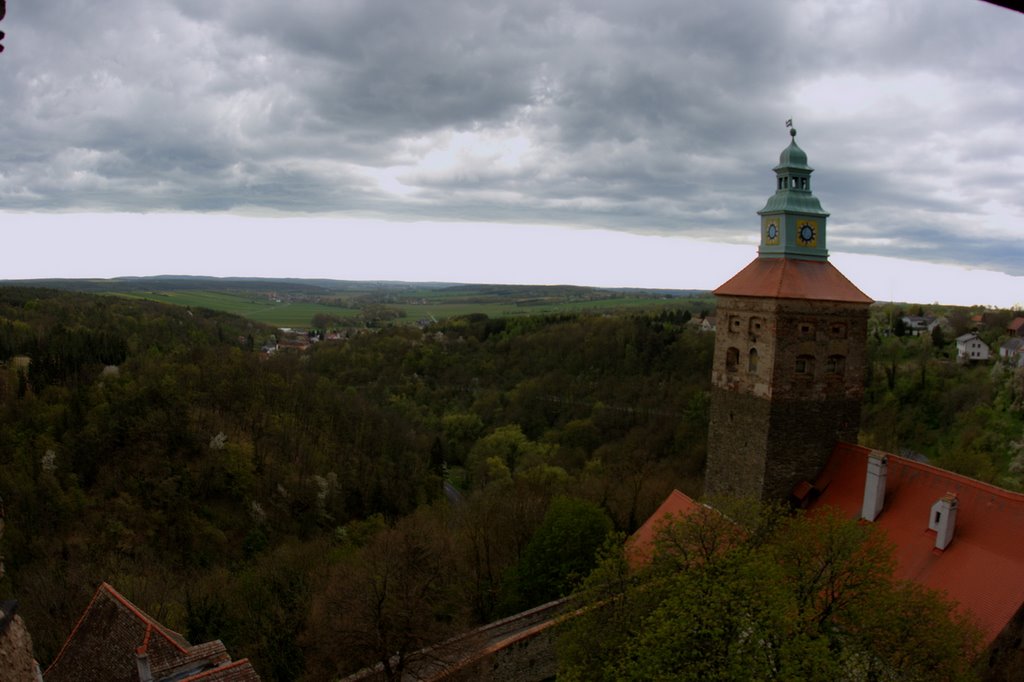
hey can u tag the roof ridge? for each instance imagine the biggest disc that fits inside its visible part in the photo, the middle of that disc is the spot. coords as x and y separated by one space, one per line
143 616
71 636
219 669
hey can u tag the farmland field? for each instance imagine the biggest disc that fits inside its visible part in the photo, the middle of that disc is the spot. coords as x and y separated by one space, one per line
295 302
265 310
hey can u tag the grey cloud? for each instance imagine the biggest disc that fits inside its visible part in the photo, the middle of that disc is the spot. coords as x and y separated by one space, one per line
650 116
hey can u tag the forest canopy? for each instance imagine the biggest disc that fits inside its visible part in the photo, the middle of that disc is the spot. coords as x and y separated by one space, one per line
237 495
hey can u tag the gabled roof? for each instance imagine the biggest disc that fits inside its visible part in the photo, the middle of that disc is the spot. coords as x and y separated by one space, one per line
793 278
1016 324
982 569
1015 344
964 338
641 544
112 634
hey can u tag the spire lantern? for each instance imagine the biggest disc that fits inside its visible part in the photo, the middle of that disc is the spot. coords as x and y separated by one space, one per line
793 222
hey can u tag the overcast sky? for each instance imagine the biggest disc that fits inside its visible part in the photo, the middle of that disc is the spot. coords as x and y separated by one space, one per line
605 142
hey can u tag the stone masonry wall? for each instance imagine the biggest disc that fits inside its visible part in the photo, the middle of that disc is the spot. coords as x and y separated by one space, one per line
787 381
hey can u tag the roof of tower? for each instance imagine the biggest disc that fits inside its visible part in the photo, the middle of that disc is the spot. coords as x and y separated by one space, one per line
792 156
791 278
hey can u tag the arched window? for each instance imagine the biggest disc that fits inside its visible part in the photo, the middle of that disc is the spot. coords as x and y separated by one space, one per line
732 359
752 363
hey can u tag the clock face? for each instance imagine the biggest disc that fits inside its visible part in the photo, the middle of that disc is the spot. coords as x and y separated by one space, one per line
771 231
807 233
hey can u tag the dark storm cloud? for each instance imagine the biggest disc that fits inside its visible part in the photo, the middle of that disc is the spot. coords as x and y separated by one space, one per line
651 116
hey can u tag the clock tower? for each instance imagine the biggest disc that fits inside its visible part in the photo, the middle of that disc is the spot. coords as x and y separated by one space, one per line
790 351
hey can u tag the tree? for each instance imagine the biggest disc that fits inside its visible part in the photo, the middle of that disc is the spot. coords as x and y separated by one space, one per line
808 597
388 601
560 553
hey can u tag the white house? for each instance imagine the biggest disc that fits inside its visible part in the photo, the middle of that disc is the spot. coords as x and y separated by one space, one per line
1012 352
971 348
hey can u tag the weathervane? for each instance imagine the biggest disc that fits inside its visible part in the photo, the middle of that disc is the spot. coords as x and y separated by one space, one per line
792 130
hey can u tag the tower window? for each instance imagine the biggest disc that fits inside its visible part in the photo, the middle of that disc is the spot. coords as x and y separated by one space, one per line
805 365
793 183
803 183
732 359
752 365
838 330
835 365
806 329
735 323
756 323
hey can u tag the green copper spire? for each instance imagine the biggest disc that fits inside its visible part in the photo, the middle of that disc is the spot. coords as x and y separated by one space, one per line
793 222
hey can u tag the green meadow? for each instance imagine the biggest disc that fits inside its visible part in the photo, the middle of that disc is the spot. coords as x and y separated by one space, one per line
414 303
257 308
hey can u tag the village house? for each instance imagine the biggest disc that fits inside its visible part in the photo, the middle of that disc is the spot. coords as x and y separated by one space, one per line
970 348
916 325
1012 352
1016 327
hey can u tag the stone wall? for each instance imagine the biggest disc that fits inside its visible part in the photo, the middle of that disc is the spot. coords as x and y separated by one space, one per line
528 658
16 661
787 381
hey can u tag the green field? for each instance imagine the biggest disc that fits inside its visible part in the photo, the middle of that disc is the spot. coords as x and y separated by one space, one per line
414 303
258 309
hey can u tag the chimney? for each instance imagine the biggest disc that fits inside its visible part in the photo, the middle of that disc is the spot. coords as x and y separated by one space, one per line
145 672
943 520
874 486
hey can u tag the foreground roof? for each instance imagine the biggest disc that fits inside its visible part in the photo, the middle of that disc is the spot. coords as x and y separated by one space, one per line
113 635
793 278
640 549
982 569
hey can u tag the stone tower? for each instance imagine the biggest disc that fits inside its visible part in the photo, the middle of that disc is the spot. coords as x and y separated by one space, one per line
790 346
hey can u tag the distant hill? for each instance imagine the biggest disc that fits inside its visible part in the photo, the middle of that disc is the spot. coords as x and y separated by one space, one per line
296 302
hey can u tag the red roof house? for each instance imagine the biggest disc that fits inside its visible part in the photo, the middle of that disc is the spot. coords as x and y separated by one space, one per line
115 641
1016 327
981 567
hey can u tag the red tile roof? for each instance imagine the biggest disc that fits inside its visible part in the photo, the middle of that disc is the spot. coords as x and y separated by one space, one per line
791 278
641 544
112 632
1015 324
982 569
